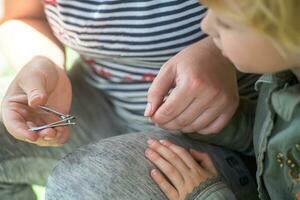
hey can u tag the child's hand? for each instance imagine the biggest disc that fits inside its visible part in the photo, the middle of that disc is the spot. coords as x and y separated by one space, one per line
182 171
40 82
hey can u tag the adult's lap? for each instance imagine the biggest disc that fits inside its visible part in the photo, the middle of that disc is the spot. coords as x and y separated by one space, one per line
116 168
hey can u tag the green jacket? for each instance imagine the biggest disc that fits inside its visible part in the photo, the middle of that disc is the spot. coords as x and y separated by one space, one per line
271 132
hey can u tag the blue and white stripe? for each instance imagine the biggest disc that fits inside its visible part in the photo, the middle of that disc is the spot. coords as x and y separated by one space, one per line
126 42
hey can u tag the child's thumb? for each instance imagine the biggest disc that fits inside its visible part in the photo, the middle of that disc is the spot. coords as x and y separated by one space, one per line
204 160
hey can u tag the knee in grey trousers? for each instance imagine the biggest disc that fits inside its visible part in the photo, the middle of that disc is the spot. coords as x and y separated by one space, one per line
116 168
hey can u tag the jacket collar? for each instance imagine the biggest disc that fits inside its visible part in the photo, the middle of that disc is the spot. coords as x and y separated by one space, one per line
286 96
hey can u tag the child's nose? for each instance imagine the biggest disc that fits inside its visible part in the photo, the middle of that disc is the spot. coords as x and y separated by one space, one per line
207 24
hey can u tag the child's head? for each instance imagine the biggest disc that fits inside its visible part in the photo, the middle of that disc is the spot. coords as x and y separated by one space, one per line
258 36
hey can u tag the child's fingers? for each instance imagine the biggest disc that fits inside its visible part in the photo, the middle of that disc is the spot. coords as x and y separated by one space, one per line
47 134
182 153
165 167
164 185
169 156
205 161
51 137
54 136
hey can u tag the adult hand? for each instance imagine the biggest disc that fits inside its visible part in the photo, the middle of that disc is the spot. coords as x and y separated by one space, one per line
205 94
40 82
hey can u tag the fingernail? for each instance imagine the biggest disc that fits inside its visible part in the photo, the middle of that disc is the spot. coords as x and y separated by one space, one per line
150 141
162 142
48 138
35 96
154 172
34 99
29 141
150 120
148 110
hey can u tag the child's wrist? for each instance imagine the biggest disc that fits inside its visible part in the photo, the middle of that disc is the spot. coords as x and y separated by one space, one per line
203 187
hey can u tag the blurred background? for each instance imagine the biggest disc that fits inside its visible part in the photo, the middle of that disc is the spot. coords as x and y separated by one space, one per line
6 74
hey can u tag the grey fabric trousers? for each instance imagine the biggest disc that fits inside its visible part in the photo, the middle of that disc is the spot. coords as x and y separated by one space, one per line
112 168
116 168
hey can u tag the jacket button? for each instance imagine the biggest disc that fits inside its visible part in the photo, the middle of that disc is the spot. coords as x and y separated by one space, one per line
280 159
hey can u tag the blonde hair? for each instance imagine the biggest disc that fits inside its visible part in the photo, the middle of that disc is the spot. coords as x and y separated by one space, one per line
278 19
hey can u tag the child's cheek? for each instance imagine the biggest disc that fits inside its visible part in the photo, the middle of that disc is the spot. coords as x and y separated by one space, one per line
236 53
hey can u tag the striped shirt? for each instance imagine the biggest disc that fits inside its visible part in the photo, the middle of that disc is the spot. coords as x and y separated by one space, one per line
123 43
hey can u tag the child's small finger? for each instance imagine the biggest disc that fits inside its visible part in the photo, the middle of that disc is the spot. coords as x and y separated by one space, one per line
205 161
48 134
182 153
165 167
164 185
169 156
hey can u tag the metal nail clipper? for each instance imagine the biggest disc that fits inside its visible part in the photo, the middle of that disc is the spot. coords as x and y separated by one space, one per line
65 120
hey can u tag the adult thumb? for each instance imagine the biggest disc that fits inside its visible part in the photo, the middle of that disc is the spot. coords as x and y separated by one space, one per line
36 90
159 88
204 160
38 79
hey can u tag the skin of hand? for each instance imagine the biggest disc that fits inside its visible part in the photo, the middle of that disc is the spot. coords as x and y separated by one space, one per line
204 97
40 82
179 171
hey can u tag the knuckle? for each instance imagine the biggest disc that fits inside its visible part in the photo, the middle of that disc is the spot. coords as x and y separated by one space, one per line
194 127
181 150
174 157
216 91
196 83
170 170
168 110
182 122
153 91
